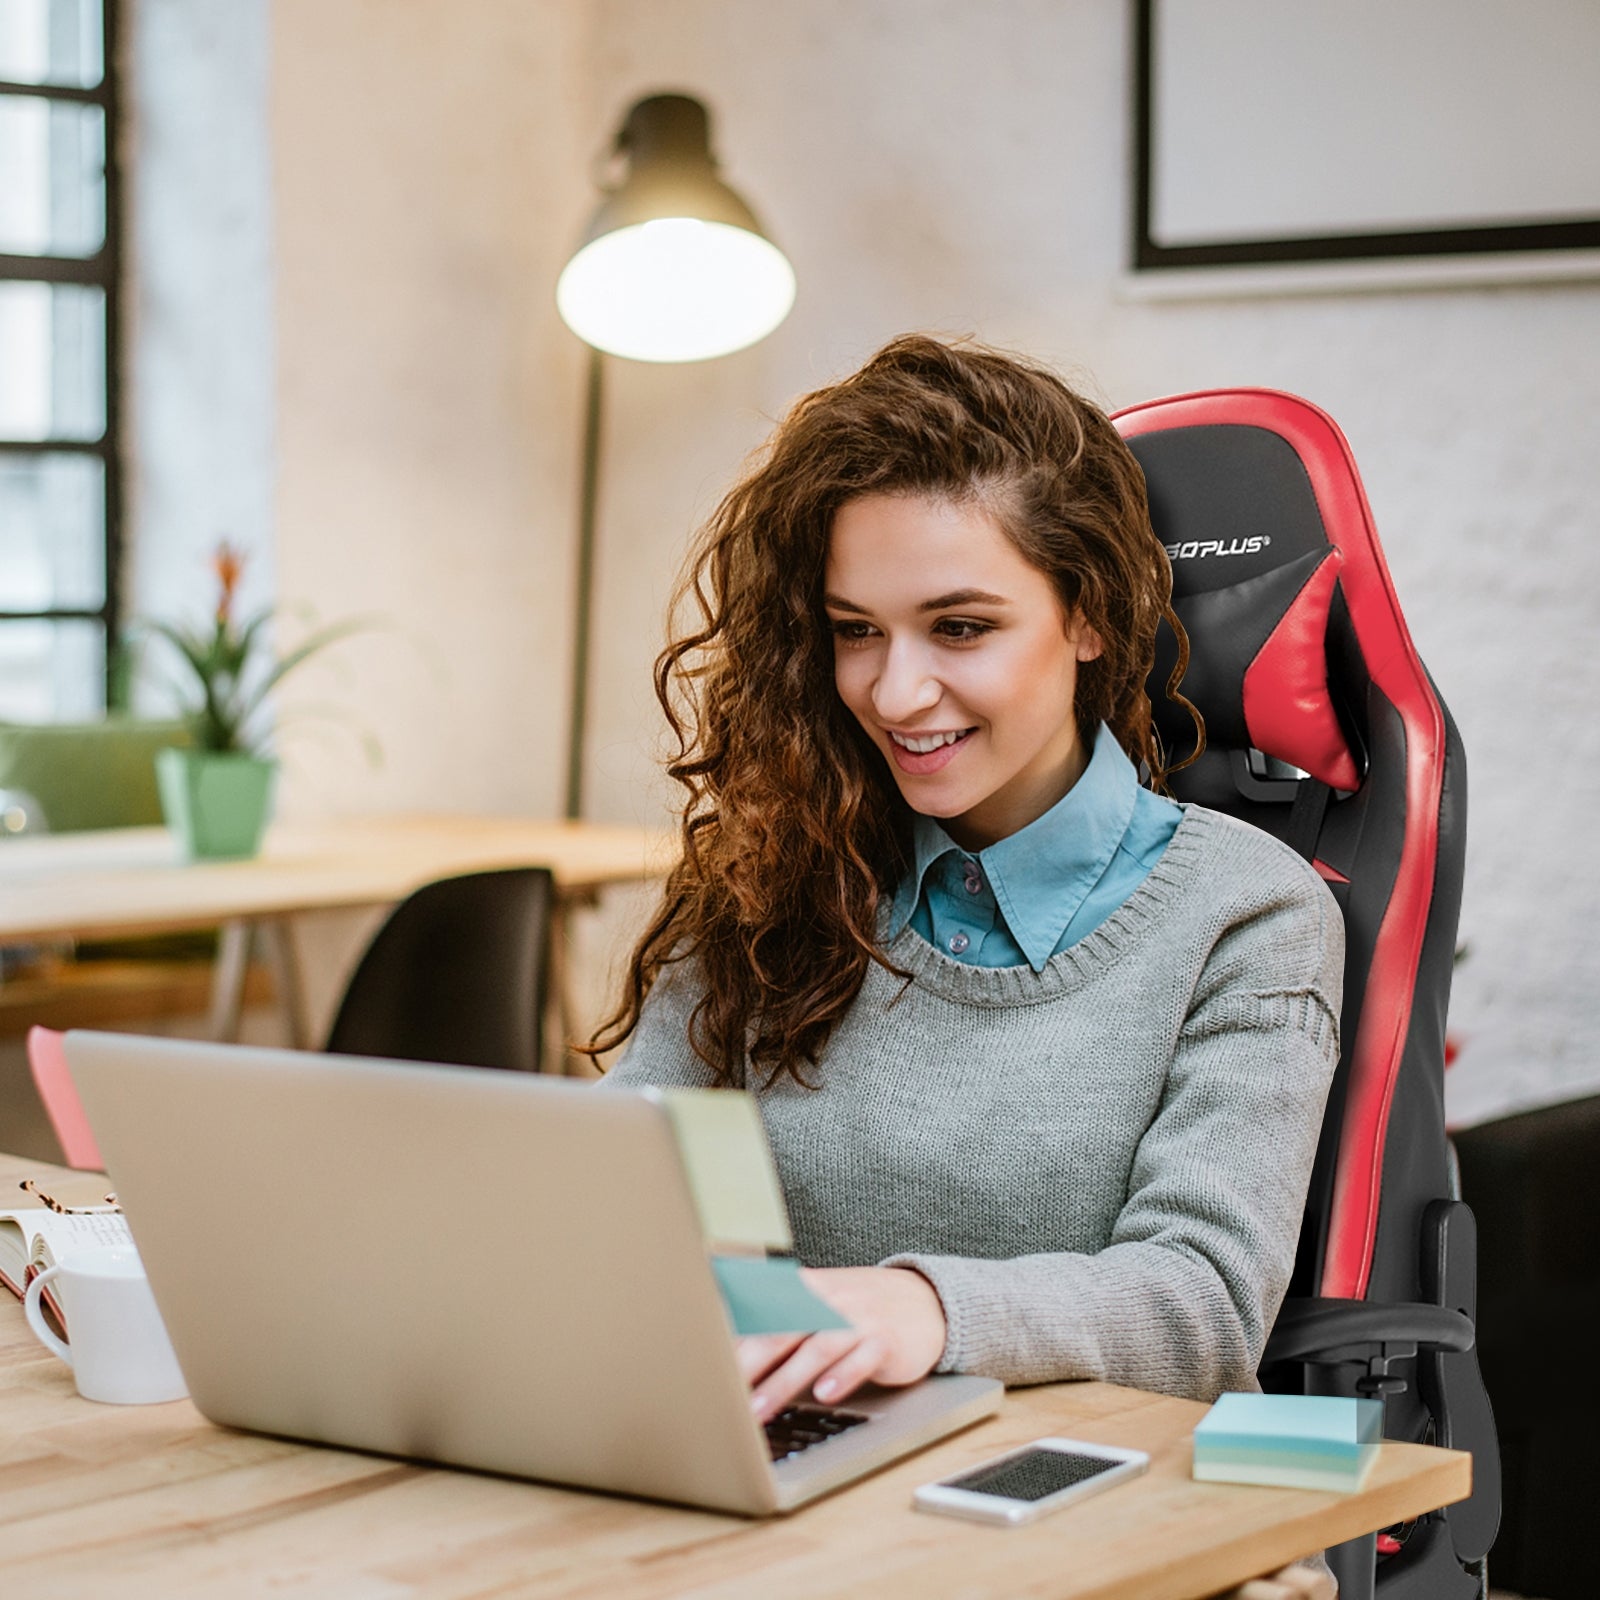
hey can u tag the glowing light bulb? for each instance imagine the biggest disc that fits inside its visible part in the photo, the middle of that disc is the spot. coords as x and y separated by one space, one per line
676 289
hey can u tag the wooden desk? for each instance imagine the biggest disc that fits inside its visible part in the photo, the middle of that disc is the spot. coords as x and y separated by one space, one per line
130 881
154 1501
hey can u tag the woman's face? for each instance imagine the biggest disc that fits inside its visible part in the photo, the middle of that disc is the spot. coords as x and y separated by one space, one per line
955 654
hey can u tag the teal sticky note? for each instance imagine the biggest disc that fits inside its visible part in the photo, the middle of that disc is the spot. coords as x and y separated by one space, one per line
765 1294
1296 1441
729 1166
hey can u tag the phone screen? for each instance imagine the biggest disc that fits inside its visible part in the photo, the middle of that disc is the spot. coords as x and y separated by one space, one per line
1032 1474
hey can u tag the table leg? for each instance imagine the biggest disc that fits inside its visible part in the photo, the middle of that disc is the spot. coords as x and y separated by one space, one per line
279 934
227 978
561 1021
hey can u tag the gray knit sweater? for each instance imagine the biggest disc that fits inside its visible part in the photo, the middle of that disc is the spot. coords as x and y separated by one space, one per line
1100 1167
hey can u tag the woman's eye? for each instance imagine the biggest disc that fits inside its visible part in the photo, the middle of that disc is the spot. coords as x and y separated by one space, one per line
960 628
852 632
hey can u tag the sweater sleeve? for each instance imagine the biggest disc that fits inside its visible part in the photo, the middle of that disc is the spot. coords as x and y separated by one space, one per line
1183 1296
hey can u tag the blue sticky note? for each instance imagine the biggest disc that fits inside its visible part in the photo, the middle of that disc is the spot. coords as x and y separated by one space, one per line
764 1294
1293 1440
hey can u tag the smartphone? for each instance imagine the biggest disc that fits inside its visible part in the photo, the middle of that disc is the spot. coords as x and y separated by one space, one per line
1026 1484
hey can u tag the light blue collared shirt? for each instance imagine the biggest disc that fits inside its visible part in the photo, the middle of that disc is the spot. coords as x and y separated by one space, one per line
1029 896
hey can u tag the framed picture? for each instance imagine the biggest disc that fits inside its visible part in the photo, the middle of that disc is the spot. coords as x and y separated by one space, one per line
1415 133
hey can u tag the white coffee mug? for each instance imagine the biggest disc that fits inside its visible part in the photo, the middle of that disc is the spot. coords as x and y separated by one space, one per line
119 1351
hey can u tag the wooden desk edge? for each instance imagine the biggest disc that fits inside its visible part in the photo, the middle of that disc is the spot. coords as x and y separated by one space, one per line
1447 1478
583 857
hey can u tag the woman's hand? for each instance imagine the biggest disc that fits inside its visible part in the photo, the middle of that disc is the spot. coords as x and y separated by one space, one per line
896 1335
1292 1583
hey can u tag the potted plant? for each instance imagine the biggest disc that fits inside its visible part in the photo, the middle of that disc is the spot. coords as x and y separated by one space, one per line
217 792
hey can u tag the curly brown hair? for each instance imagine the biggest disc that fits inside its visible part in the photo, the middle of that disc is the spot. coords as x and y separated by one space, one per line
793 828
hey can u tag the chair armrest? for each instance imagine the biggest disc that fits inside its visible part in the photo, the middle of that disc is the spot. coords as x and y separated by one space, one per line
1309 1329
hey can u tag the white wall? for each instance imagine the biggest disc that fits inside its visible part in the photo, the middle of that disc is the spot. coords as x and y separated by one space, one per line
949 164
429 166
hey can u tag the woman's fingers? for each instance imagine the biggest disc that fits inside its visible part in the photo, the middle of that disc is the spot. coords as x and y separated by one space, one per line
856 1367
1292 1583
759 1353
794 1377
898 1305
896 1335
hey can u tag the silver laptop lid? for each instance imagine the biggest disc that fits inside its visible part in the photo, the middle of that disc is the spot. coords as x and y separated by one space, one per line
488 1269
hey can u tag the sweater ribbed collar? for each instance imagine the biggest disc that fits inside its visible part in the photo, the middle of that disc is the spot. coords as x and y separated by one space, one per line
1012 986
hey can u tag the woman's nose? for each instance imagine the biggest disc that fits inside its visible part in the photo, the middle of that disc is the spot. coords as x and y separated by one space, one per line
906 686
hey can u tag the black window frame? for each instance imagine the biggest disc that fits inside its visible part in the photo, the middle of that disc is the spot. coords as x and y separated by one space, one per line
102 270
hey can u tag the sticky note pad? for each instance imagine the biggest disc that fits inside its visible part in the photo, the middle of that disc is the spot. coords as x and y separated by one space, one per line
729 1166
765 1294
1296 1441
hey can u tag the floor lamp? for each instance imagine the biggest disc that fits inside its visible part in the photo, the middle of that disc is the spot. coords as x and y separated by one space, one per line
673 267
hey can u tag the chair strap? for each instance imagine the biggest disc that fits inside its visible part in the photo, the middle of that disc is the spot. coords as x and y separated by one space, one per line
1305 817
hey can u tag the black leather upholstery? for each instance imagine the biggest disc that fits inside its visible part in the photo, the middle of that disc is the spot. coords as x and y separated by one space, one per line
459 973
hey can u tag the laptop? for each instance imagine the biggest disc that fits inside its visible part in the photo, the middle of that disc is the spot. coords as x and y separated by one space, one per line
491 1270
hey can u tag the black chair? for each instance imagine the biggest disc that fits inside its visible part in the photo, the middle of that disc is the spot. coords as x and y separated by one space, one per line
1531 1178
459 973
1324 729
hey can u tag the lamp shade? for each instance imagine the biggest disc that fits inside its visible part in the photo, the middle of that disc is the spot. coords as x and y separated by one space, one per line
674 265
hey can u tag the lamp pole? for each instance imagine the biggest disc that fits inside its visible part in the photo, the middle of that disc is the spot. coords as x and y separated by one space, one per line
583 601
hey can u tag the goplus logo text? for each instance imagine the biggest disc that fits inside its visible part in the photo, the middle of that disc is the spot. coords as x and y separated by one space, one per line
1198 548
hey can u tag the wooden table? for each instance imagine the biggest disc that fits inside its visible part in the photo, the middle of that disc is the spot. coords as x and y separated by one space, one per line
137 1501
133 881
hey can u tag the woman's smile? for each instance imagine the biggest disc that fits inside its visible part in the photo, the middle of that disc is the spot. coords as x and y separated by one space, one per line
924 753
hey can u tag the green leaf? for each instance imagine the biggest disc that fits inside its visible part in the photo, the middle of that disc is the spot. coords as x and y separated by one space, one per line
220 656
303 652
191 649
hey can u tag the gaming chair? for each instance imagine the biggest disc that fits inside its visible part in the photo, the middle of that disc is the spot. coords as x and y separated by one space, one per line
1324 729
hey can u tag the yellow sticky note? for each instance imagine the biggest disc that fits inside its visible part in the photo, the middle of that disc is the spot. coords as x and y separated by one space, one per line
729 1164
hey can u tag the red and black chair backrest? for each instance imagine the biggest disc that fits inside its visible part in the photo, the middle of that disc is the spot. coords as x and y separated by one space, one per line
1301 663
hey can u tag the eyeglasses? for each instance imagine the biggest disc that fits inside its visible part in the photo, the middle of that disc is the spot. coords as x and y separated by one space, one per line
28 1186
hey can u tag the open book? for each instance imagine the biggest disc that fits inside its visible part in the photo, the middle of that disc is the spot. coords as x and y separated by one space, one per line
33 1237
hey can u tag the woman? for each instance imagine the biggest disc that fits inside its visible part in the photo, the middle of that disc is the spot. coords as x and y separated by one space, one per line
1042 1056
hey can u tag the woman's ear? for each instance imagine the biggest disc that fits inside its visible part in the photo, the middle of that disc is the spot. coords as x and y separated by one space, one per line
1089 645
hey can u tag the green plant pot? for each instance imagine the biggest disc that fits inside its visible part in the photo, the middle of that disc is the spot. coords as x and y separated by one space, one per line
217 805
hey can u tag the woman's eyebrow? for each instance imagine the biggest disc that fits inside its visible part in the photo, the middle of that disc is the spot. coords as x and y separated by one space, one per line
943 602
963 597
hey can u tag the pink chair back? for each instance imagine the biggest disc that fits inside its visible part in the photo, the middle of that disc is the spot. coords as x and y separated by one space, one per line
48 1061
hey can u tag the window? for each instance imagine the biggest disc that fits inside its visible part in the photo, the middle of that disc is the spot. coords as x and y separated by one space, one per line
59 487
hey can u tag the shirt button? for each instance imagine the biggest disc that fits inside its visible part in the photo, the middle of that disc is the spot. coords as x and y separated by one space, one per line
973 880
958 943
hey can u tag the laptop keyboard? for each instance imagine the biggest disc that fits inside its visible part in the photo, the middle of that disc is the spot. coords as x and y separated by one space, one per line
800 1427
